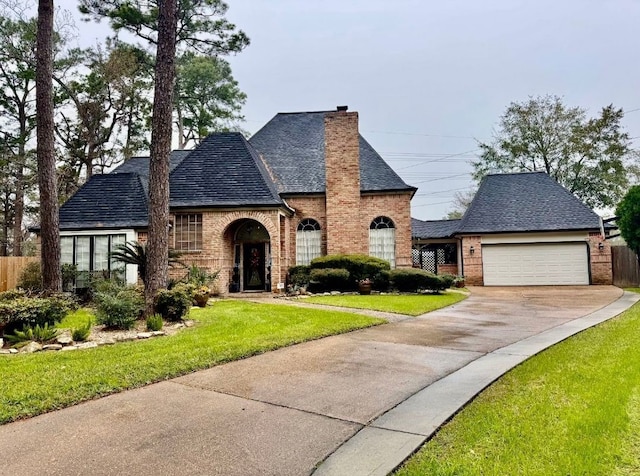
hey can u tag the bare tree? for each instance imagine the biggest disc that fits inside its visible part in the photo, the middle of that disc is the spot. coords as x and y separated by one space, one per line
45 151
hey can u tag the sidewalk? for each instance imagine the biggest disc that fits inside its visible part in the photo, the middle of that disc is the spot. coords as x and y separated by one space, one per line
357 403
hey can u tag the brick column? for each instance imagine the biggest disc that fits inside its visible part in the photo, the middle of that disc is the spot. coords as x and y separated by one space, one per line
600 260
472 262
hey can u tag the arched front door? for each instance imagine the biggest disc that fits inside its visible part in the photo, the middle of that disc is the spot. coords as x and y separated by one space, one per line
252 256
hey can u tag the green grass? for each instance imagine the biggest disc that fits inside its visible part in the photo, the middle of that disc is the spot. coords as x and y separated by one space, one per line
229 330
409 304
76 319
574 409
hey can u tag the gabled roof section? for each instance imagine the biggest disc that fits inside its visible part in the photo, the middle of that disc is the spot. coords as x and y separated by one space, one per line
140 166
224 170
292 145
525 202
433 229
106 201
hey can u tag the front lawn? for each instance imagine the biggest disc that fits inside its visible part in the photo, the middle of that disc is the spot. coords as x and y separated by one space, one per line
409 304
228 330
574 409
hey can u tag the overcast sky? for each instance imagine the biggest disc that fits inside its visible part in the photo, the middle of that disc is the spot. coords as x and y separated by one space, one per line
431 78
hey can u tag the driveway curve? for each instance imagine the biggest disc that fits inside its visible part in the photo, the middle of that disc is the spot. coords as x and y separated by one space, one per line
357 403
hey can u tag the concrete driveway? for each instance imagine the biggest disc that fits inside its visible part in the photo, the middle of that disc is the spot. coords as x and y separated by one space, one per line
357 403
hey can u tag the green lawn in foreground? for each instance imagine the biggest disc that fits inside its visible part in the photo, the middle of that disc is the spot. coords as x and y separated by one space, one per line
228 330
409 304
574 409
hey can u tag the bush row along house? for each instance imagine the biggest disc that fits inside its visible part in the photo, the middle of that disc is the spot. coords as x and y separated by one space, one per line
308 184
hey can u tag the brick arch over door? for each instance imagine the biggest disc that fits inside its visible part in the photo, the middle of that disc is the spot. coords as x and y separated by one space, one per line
223 224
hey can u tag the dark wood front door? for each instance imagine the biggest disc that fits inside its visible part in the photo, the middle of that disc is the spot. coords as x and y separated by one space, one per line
253 261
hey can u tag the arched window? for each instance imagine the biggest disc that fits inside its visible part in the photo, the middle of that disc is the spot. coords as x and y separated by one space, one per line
382 239
308 241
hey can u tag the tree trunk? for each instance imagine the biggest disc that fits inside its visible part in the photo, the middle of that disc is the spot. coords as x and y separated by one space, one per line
158 238
49 217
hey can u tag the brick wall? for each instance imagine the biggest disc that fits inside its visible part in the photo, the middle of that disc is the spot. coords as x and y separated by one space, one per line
601 264
306 207
472 262
218 229
342 155
397 207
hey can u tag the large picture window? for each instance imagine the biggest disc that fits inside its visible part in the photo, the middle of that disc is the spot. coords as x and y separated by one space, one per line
90 253
188 232
382 239
308 241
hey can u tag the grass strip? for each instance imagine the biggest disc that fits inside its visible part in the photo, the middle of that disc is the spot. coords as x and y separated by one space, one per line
228 330
408 304
572 409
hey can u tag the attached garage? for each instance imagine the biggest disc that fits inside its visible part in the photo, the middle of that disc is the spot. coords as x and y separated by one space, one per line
530 264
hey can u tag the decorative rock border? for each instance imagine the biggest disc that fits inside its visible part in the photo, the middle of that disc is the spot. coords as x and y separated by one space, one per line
65 343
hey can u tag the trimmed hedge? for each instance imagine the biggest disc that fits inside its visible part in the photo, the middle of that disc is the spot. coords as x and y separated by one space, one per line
358 266
329 279
299 275
413 280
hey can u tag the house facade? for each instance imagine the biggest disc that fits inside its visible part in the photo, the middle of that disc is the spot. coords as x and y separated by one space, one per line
305 185
520 229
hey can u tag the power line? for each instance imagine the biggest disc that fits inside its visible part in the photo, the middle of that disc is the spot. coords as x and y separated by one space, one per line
421 134
443 178
439 159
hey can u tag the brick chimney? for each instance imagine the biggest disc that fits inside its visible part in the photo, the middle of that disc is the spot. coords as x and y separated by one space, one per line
345 233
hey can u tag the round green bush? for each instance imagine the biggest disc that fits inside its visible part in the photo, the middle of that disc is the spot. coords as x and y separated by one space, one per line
119 309
174 304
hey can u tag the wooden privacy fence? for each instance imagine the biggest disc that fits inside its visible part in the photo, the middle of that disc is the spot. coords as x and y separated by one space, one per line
626 272
10 269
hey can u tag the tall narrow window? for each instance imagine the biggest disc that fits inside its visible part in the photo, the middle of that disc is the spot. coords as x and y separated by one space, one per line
382 239
188 232
308 241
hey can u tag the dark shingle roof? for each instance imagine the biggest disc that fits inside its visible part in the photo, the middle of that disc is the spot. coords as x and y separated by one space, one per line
525 202
433 229
106 201
140 166
292 145
224 170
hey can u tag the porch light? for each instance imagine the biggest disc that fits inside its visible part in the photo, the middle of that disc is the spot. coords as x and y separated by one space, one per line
472 249
601 246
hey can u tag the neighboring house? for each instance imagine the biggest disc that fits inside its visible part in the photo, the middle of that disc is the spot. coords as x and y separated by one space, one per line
305 185
520 229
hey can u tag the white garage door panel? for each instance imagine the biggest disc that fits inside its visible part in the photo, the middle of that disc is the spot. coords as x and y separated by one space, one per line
535 264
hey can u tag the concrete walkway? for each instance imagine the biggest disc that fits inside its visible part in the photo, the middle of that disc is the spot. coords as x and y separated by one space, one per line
357 403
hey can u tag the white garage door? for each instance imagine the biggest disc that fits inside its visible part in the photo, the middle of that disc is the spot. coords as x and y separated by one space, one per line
535 264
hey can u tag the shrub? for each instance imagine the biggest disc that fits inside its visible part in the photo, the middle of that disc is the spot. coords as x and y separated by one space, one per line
81 334
154 322
22 311
173 304
412 280
358 266
69 275
42 334
119 308
381 280
447 280
31 277
299 275
12 294
329 279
